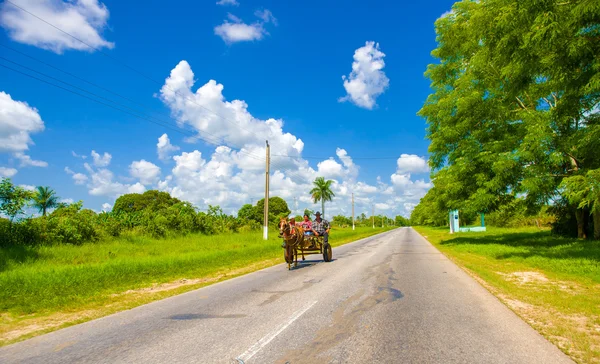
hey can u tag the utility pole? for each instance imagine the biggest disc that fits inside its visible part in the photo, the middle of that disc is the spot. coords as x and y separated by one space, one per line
373 217
352 210
266 226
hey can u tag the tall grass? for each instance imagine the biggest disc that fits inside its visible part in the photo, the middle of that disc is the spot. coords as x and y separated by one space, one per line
64 277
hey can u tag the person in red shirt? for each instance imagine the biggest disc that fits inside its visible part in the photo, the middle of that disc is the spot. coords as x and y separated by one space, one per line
306 225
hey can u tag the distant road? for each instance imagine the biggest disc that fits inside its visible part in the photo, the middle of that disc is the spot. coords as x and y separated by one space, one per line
391 298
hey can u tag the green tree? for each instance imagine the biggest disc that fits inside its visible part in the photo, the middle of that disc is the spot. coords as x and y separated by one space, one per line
44 198
246 212
277 208
151 200
322 192
514 105
13 199
401 221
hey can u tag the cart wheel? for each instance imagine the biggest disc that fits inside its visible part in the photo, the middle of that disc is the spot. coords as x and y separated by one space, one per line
288 254
327 252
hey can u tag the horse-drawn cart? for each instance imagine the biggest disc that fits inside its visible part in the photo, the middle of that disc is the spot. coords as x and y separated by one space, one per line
295 242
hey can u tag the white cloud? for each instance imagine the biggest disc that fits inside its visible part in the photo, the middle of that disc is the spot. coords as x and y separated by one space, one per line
145 171
17 121
28 187
106 207
330 169
78 156
367 80
228 2
84 19
7 172
411 163
266 16
231 178
240 32
235 30
26 161
68 201
101 160
382 206
79 178
164 147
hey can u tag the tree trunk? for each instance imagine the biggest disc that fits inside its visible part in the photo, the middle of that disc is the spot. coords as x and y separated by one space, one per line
596 217
579 216
323 207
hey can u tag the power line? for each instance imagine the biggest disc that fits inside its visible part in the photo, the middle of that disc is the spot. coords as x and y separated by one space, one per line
129 67
141 74
132 113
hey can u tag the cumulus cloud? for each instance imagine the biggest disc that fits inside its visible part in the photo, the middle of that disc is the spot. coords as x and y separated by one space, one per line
228 2
67 201
147 172
101 183
164 148
79 178
84 19
411 163
231 177
106 207
235 30
7 172
26 161
367 81
101 160
18 121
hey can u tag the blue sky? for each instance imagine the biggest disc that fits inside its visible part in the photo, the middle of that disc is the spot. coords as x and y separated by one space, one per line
282 61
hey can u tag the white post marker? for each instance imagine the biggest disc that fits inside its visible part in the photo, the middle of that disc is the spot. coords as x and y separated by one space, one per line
272 335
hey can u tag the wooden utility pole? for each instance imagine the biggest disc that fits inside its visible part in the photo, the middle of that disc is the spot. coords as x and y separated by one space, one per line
352 210
373 217
266 226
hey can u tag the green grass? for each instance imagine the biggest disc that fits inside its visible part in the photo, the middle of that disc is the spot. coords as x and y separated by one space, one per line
560 297
65 278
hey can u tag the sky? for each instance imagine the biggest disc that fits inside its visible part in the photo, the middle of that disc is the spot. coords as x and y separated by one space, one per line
181 96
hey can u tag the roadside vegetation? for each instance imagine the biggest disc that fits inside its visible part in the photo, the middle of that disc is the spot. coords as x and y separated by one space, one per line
552 282
68 264
513 121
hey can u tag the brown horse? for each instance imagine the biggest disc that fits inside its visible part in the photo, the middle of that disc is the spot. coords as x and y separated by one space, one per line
293 236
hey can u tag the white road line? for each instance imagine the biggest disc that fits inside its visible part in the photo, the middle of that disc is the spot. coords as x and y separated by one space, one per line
267 339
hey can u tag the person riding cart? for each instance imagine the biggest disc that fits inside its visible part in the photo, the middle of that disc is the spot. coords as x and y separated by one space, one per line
321 227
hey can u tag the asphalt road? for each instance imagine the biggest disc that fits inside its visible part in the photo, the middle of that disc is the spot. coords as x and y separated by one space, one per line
391 298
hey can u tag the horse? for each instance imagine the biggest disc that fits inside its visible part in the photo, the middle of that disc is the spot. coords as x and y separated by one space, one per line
293 236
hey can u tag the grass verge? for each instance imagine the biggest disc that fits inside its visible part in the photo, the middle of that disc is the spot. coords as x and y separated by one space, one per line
553 283
46 288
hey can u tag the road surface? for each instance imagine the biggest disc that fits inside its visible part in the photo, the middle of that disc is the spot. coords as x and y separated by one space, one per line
391 298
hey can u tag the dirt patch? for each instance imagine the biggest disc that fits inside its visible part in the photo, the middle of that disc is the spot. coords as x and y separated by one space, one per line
538 281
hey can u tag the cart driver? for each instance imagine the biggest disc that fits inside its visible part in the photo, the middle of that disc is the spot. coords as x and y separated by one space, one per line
321 227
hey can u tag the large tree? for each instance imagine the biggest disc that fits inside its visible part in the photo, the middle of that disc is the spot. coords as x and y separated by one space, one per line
44 198
514 108
322 192
13 199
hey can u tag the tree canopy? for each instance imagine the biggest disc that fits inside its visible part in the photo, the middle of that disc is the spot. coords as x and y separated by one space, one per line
515 105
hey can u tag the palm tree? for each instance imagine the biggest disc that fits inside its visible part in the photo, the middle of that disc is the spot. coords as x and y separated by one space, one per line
322 192
45 198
